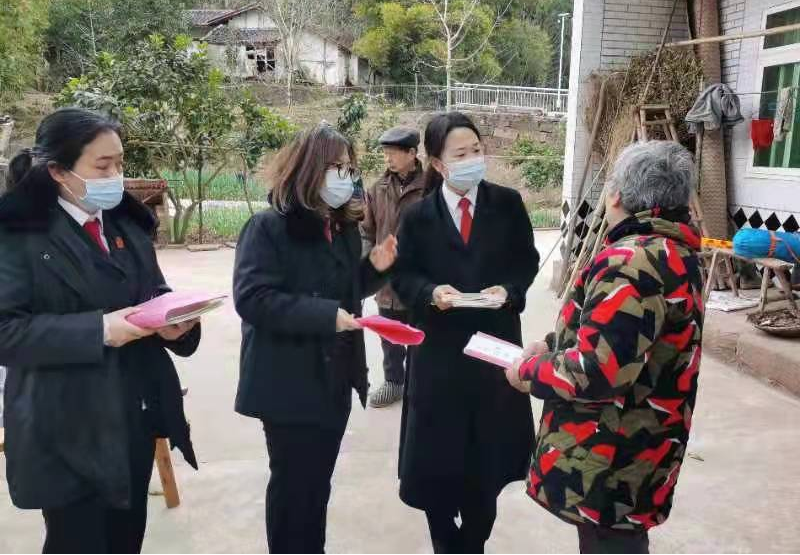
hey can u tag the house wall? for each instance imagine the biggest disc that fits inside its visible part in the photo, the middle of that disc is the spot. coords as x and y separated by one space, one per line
320 57
605 35
253 19
324 61
754 196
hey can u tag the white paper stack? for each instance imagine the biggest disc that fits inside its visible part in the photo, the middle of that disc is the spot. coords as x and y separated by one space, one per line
477 300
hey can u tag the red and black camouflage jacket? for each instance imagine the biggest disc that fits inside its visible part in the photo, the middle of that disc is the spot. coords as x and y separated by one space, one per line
619 388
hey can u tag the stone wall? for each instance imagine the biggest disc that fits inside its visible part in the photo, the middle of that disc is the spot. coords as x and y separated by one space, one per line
501 129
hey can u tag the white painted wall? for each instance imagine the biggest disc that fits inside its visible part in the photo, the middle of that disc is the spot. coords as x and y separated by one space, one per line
762 189
324 61
607 32
320 57
605 35
253 19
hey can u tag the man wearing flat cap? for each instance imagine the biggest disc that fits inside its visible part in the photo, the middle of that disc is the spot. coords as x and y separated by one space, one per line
401 185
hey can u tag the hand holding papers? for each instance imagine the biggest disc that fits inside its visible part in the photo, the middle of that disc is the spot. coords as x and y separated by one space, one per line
446 297
173 308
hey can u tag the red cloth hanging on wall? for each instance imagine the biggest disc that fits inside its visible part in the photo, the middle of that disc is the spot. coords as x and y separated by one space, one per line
761 133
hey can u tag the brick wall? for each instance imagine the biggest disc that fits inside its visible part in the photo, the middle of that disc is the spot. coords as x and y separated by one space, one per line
500 130
606 34
633 27
731 20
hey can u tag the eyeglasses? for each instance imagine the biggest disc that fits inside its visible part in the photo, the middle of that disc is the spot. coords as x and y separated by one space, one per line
344 171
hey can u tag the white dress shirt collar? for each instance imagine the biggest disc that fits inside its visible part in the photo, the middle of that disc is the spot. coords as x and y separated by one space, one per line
452 199
79 214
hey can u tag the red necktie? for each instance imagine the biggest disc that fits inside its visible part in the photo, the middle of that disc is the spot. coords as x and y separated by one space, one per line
92 227
328 232
466 219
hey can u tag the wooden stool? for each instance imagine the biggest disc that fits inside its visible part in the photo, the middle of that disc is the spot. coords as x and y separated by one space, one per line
781 270
166 473
716 275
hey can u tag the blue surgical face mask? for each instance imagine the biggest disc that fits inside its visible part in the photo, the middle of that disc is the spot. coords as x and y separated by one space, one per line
101 194
337 191
466 174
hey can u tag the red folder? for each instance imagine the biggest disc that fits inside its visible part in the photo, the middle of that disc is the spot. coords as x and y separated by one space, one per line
392 330
173 308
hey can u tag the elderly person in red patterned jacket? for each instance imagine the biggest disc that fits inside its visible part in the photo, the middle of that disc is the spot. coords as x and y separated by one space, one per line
619 376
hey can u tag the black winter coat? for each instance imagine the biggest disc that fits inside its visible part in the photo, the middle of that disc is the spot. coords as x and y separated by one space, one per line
65 421
461 418
285 289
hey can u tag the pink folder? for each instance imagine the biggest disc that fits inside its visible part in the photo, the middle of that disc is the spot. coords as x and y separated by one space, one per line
392 330
173 308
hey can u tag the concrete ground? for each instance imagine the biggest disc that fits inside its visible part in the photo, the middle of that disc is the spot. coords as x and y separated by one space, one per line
739 493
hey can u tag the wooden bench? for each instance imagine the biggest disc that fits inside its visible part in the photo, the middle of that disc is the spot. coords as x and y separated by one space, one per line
772 267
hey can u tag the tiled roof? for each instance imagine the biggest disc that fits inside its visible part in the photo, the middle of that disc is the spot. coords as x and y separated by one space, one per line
202 17
223 35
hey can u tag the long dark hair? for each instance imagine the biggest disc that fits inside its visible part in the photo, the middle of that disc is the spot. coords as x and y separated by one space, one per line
435 137
60 139
298 173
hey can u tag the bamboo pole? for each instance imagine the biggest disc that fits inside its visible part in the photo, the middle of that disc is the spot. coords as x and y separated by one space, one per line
738 36
601 100
643 98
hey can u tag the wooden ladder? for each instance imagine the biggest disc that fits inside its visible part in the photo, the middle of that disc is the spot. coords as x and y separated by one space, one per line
719 268
660 117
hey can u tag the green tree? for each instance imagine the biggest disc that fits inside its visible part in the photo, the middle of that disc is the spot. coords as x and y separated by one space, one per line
512 41
81 29
422 38
177 116
525 53
261 130
22 27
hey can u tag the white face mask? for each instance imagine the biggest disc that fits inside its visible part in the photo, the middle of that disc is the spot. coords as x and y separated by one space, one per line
337 191
466 174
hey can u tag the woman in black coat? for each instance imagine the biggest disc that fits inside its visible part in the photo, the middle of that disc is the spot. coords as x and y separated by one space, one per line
298 285
87 392
465 432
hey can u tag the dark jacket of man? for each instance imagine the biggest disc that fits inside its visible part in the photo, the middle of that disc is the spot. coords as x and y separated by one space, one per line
461 418
386 201
284 291
67 396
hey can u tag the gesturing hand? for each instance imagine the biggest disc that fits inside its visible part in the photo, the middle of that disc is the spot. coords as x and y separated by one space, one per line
535 349
383 256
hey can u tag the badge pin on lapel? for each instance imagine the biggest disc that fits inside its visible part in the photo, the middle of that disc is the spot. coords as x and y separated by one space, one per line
119 242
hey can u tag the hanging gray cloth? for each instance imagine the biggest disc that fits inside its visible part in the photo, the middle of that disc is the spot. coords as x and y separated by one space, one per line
716 106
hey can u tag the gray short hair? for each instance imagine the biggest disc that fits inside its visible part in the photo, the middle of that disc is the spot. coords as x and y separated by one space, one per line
653 174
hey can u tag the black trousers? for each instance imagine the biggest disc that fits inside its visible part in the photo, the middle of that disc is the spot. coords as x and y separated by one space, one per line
394 356
477 510
301 463
91 526
597 539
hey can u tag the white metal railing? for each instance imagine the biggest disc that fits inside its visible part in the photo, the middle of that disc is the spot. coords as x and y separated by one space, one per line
472 95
